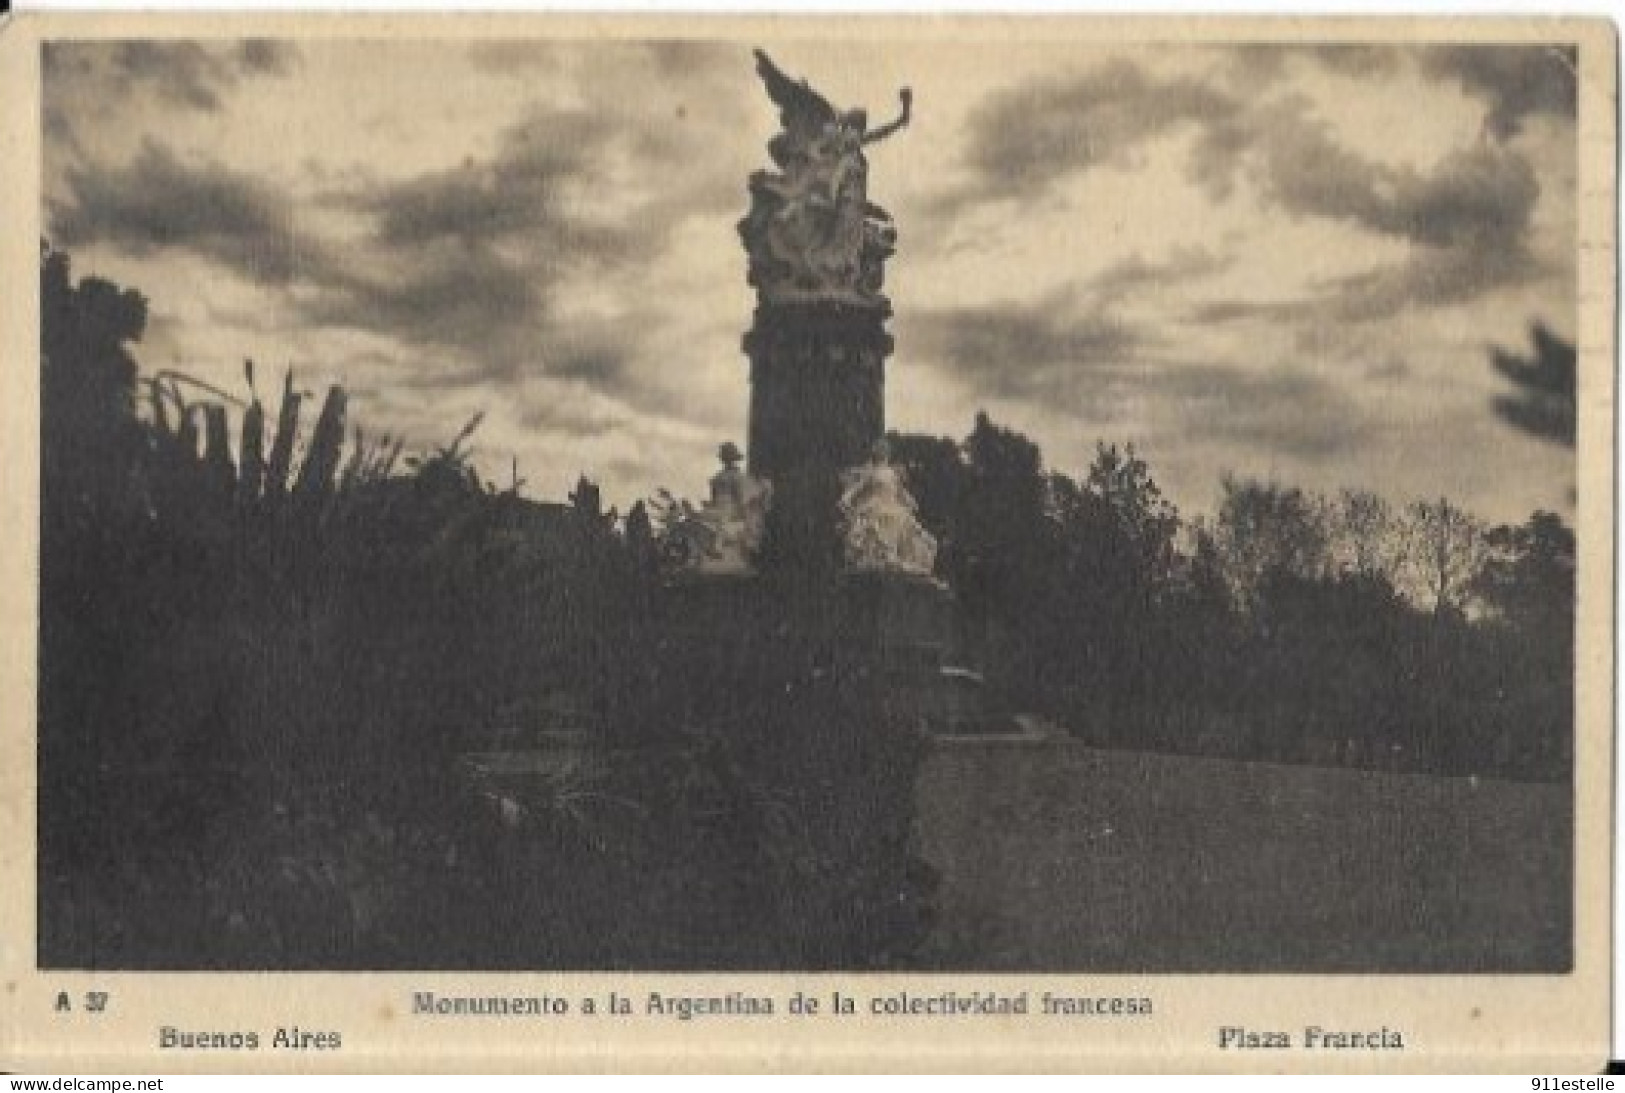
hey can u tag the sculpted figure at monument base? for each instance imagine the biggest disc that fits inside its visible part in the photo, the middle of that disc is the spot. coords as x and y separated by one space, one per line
881 529
722 536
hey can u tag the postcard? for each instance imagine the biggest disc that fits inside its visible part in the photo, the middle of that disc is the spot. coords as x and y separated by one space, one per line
789 543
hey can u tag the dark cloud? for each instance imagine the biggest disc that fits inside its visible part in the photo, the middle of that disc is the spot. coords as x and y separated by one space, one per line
1122 376
1470 220
1429 278
680 56
443 295
1479 196
465 203
1296 164
593 192
464 263
1215 312
182 73
1254 64
432 272
471 257
576 418
519 190
1019 350
1094 365
666 57
1135 275
1353 59
1468 217
267 57
1021 140
1024 139
602 359
1390 369
1517 81
1280 411
157 201
81 80
519 57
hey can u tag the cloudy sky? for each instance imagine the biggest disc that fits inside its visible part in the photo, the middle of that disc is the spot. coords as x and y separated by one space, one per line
1286 262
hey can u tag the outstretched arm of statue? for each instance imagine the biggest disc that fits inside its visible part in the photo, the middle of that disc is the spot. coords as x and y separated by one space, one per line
906 97
856 492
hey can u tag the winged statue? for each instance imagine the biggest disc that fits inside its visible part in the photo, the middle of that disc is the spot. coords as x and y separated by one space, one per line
812 231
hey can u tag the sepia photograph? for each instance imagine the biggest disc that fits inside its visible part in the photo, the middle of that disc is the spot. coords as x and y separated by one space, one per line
777 500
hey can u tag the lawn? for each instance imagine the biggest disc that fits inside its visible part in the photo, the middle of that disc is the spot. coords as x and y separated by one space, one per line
1056 856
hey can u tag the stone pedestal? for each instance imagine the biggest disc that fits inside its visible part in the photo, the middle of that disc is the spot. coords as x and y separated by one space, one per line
894 624
727 639
817 395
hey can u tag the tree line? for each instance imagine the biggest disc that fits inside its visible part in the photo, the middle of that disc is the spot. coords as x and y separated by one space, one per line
1288 625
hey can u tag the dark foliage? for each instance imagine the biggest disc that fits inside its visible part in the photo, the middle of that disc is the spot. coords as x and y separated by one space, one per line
1294 628
305 705
1543 402
777 844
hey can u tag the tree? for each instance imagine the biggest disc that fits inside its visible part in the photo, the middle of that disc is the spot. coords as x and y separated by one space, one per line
588 502
1264 529
1089 628
1446 546
1203 583
1002 522
87 383
1367 540
1527 576
934 470
640 540
1123 482
83 333
1543 403
1527 586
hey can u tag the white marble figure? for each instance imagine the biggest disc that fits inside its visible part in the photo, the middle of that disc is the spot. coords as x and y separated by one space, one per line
880 525
723 535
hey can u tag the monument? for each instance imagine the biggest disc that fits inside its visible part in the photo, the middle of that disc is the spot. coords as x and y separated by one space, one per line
817 551
817 248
